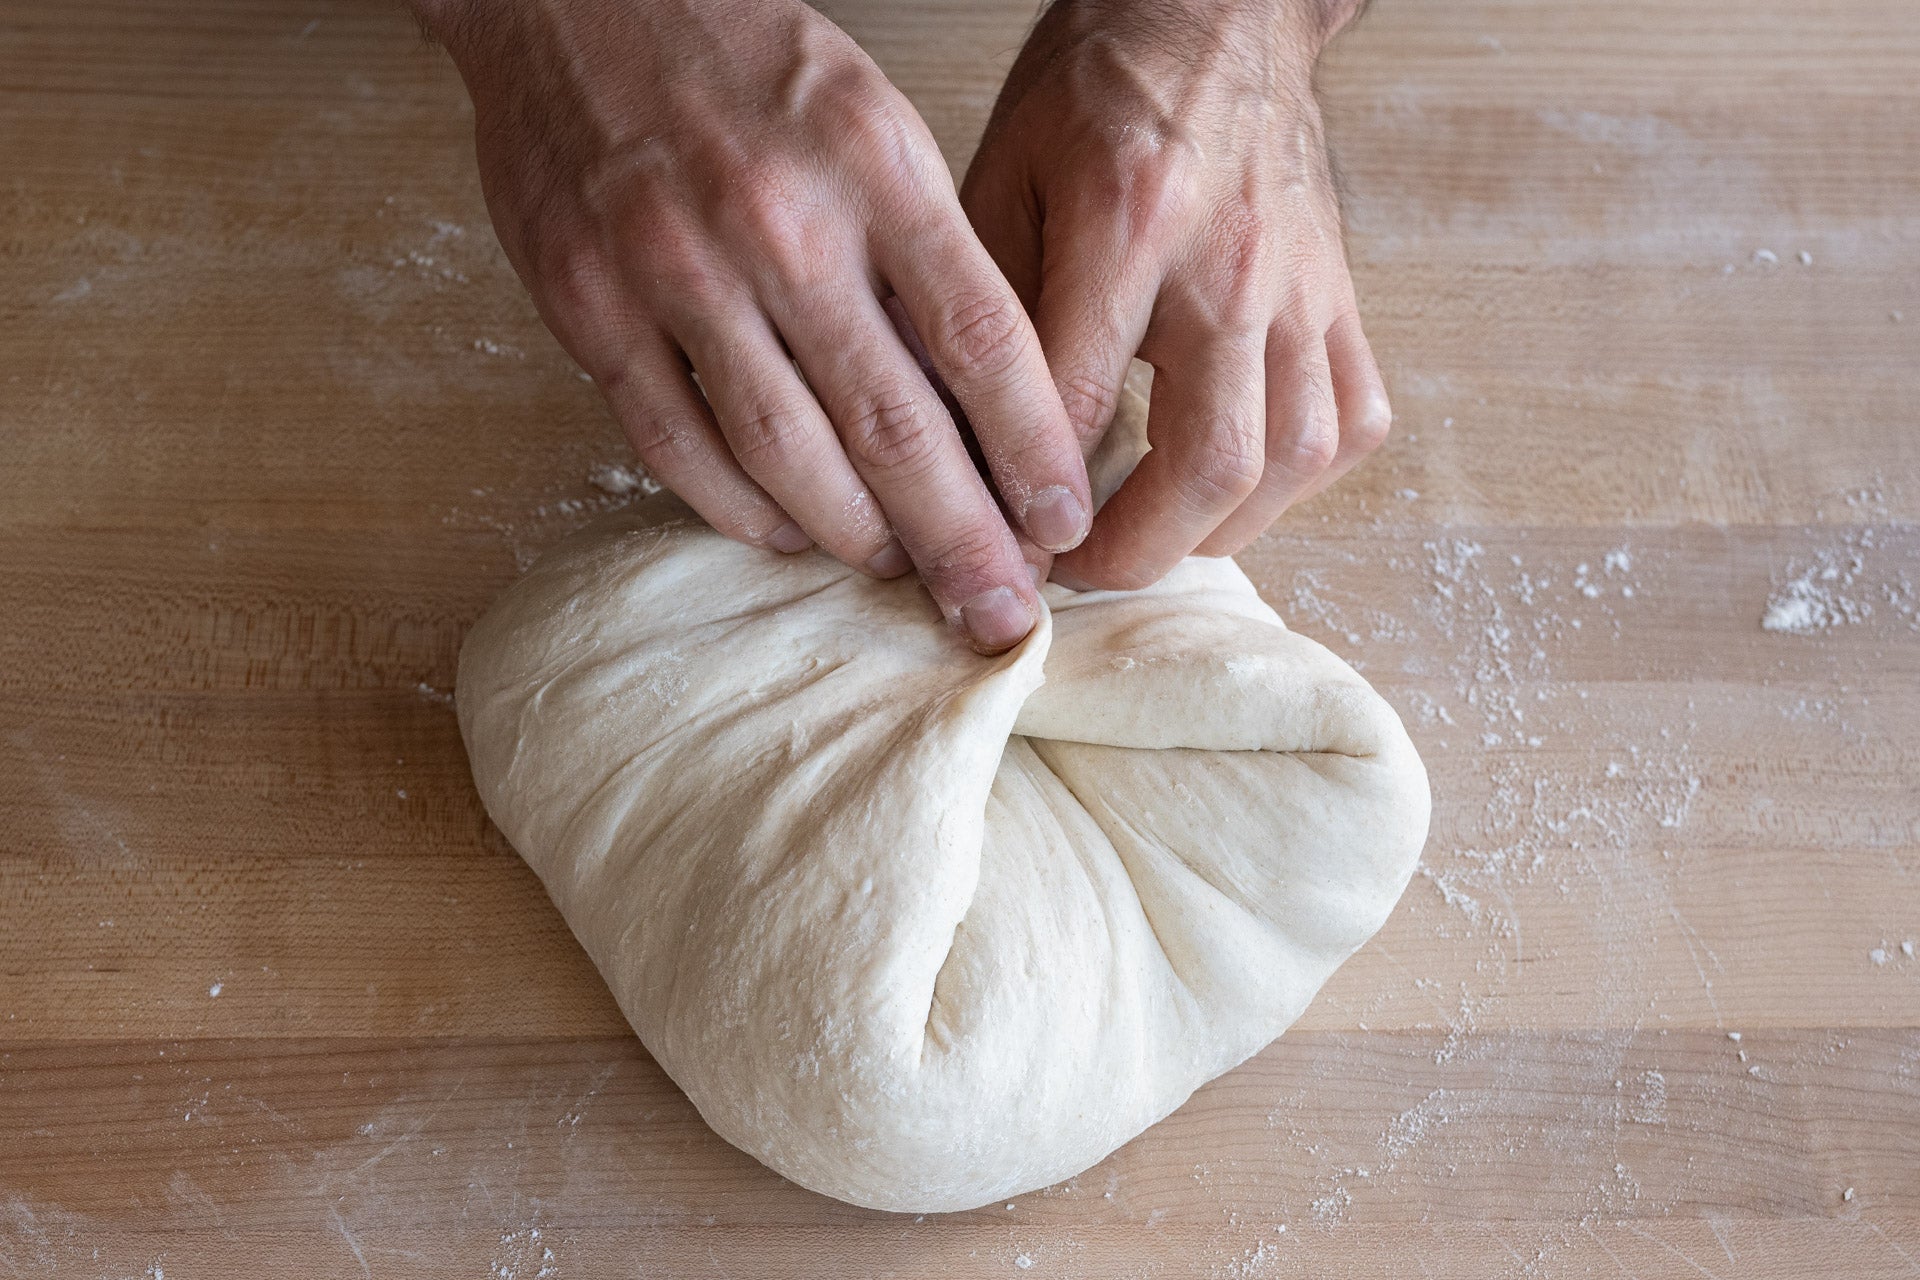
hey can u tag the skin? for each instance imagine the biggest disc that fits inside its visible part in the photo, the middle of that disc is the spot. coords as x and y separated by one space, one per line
748 238
1154 181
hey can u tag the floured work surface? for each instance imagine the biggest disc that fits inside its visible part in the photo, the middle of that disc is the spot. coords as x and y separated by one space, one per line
260 354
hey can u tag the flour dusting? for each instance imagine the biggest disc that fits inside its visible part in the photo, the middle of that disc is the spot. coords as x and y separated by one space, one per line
529 533
525 1253
621 481
1833 589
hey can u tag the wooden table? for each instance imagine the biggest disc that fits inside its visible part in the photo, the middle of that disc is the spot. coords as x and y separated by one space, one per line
278 422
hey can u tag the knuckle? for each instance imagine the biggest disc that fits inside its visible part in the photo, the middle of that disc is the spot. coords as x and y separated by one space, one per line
766 204
688 287
1245 261
1306 449
888 430
982 334
965 556
1090 403
664 244
1232 286
1158 184
571 269
769 441
1225 467
1371 425
875 126
675 275
884 136
666 443
799 255
1295 338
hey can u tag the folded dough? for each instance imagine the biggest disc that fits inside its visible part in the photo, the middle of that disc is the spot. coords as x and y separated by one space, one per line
918 929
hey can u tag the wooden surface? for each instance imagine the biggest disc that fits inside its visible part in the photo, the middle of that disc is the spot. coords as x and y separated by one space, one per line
278 422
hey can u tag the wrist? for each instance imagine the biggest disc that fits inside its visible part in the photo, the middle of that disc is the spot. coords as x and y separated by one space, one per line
1312 21
1331 17
1287 32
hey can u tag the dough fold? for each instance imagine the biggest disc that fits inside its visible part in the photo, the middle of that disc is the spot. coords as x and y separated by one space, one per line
917 929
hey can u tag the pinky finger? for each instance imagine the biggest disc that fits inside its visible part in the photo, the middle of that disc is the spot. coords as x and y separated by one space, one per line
1365 414
667 421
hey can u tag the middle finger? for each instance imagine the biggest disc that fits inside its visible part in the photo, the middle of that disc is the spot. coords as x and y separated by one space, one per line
781 438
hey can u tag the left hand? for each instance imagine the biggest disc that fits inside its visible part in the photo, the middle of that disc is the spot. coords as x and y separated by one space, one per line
1154 180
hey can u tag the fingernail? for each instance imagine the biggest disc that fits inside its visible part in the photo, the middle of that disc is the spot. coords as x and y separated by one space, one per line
1038 575
789 538
1065 579
997 619
1055 519
891 562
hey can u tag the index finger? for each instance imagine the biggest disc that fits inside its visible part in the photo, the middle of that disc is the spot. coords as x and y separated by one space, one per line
1205 426
987 353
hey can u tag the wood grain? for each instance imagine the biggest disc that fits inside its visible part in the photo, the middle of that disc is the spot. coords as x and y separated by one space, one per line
278 422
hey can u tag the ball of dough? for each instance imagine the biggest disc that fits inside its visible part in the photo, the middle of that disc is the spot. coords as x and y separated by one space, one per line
918 929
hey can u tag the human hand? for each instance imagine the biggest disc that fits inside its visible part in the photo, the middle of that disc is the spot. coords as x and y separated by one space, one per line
725 189
1154 180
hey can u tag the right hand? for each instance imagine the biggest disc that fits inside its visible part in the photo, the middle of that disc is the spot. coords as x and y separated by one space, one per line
723 189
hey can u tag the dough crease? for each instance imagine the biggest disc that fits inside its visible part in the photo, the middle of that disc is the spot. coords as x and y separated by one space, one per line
918 929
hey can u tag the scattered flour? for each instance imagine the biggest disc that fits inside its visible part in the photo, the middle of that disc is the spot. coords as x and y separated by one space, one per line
527 536
1414 1125
428 265
1582 796
430 261
1331 1206
1648 1105
524 1253
621 481
1835 590
1256 1259
439 697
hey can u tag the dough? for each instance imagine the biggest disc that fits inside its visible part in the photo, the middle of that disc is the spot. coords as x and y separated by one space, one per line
918 929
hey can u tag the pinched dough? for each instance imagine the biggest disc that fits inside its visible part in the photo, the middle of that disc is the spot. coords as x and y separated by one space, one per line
918 929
